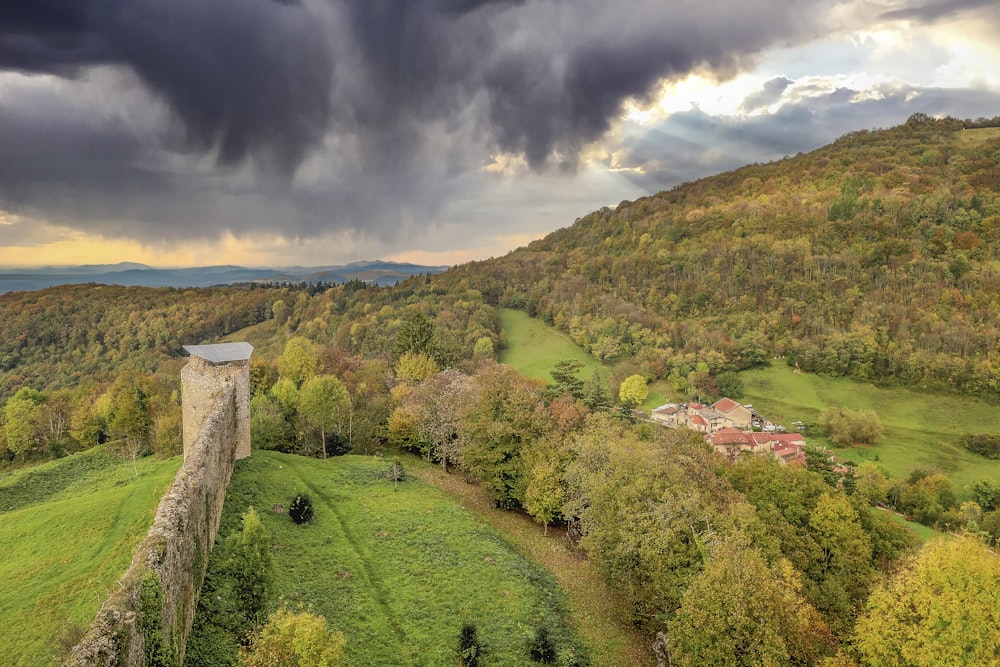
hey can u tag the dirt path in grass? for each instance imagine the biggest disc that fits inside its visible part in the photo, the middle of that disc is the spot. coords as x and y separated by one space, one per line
596 612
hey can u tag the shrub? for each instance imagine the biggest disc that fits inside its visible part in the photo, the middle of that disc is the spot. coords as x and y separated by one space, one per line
983 444
541 648
301 509
469 648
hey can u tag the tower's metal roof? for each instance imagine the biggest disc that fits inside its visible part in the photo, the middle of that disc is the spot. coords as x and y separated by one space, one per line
221 353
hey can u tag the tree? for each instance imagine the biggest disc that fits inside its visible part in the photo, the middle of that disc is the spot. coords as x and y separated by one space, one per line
396 472
844 565
415 367
739 610
23 414
294 639
129 423
565 380
438 404
595 397
986 492
300 510
504 415
633 392
848 427
299 362
322 404
415 334
268 427
871 483
940 609
249 564
543 498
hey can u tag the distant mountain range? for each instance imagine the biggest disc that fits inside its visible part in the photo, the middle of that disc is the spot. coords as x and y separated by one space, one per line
131 274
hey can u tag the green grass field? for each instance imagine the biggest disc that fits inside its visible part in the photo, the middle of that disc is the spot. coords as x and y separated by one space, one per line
396 570
921 429
534 347
67 532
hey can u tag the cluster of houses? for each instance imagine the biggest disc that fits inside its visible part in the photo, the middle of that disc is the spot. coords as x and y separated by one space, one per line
732 428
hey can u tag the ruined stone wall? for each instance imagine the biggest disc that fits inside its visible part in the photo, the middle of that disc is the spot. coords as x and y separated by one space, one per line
147 620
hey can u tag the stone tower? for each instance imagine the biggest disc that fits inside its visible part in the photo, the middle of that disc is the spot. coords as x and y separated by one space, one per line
212 369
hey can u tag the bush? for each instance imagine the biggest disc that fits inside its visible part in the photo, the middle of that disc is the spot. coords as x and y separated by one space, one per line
469 648
541 648
847 427
301 509
983 444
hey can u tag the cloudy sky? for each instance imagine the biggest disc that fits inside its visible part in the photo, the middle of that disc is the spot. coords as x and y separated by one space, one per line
311 132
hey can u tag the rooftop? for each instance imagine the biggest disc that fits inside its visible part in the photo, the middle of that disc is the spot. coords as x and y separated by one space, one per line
221 353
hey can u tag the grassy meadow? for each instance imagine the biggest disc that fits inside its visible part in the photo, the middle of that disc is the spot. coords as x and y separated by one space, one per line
922 429
67 532
534 347
396 570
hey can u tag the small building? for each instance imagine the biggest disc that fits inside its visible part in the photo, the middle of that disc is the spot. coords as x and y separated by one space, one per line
740 415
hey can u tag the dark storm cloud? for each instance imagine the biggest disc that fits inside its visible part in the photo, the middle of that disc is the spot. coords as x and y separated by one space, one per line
769 94
246 78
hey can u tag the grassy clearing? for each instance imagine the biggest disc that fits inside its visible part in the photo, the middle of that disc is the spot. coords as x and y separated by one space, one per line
596 611
978 135
397 571
67 532
921 429
923 532
534 348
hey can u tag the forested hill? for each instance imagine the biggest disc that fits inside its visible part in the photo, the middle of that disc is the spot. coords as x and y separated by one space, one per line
60 336
877 257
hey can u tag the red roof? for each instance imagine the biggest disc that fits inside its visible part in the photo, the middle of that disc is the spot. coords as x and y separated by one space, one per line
699 420
695 406
725 404
788 438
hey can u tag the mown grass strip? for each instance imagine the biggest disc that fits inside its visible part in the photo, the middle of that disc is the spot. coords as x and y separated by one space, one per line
596 612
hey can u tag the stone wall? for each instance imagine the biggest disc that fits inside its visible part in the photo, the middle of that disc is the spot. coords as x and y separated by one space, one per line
146 621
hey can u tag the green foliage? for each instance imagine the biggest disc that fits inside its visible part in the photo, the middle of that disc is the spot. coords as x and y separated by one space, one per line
415 367
301 509
269 429
633 391
983 444
324 403
742 611
565 380
986 493
847 427
415 334
940 609
294 639
469 648
69 335
299 362
23 415
249 564
157 649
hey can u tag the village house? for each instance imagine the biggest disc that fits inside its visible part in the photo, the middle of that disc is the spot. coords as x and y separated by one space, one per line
786 447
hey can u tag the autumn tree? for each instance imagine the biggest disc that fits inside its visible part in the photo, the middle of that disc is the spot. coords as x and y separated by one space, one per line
504 416
415 367
740 610
323 404
300 361
294 639
940 609
129 423
633 392
23 416
437 406
850 427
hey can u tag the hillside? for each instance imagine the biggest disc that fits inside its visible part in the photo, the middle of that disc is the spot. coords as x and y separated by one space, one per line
876 257
396 568
68 529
